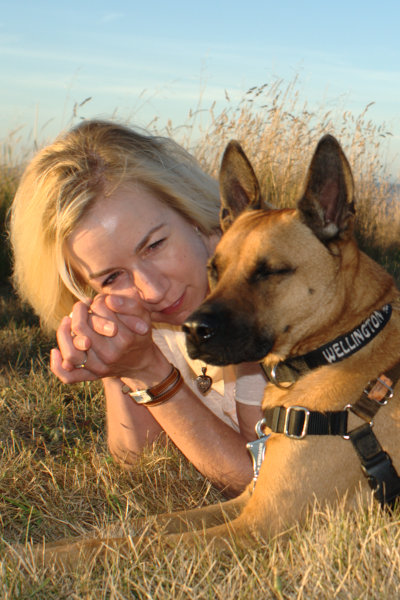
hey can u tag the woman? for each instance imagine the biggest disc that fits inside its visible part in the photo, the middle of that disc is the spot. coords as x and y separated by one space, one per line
125 223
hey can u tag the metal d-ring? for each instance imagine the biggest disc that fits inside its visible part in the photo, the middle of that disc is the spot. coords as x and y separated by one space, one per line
272 377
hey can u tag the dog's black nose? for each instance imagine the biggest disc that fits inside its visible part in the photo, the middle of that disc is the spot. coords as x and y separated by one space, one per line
199 329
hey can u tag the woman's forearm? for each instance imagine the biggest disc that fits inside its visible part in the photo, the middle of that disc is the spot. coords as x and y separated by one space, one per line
130 427
214 448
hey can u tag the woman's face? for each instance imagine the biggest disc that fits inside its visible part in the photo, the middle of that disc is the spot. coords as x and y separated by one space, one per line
132 244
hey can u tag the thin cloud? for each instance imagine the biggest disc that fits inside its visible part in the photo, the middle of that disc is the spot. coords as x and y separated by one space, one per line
110 17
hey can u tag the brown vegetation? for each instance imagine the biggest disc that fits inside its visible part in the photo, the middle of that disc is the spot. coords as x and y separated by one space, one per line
56 476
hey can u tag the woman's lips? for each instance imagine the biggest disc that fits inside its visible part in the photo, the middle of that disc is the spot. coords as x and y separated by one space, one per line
169 310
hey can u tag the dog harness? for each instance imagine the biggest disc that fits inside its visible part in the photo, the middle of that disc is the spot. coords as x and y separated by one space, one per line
297 422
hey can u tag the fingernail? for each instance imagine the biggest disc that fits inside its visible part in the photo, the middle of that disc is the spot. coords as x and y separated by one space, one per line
109 328
141 327
116 300
81 343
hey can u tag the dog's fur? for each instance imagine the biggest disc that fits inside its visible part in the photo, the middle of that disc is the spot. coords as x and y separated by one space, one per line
284 282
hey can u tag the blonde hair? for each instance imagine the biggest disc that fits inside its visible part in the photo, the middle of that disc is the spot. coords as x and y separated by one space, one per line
63 181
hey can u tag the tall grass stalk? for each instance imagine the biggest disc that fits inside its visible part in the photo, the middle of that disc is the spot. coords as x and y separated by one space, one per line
10 170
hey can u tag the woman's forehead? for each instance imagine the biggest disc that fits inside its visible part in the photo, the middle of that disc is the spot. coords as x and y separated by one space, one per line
124 218
129 201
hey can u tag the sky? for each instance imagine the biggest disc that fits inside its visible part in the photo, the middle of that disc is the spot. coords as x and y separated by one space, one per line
157 60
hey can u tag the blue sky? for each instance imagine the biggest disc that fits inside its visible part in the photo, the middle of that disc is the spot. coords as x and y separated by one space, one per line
157 59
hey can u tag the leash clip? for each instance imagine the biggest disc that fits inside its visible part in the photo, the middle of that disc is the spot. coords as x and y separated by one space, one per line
257 449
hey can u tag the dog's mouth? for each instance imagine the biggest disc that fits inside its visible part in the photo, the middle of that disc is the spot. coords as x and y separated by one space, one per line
221 338
221 356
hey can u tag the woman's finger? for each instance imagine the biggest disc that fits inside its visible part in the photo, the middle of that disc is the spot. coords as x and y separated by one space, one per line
130 312
103 326
70 354
80 319
73 375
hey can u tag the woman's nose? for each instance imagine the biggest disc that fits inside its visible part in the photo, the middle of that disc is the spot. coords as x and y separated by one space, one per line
151 287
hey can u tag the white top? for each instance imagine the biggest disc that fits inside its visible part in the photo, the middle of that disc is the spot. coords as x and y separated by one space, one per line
243 383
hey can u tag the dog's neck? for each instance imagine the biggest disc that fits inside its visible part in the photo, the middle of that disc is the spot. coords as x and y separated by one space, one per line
357 300
363 288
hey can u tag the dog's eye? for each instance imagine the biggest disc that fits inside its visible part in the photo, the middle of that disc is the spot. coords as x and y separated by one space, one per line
263 271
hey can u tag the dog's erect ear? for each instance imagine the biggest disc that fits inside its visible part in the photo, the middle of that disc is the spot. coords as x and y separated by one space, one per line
238 184
327 206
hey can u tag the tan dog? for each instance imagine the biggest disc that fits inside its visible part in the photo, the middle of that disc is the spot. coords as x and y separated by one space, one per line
286 283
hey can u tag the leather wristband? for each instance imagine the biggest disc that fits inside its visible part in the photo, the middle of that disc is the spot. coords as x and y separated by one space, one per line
158 394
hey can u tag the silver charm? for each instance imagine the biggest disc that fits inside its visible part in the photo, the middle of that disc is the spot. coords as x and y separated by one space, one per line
257 450
203 382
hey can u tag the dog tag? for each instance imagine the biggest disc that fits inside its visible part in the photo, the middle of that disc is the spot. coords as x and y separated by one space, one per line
257 452
203 381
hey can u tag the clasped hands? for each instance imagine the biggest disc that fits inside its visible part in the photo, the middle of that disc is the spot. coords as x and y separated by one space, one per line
109 336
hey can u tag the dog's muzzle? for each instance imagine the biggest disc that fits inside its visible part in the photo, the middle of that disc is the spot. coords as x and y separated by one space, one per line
220 337
200 330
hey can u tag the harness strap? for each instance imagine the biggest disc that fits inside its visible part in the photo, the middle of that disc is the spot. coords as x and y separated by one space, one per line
376 465
297 422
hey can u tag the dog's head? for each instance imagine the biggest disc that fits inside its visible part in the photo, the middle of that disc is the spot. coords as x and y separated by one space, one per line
276 275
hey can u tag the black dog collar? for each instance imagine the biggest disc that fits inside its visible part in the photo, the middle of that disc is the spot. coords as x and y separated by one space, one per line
335 351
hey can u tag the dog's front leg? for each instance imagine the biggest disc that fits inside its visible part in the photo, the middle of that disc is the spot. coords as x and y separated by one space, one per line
188 520
296 474
69 553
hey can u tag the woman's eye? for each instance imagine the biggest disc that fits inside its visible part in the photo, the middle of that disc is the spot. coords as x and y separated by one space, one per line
155 245
110 279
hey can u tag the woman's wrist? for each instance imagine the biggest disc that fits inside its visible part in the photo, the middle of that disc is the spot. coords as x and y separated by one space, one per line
157 394
152 370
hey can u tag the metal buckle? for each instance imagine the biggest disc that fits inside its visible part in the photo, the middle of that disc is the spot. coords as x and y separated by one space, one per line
305 424
349 407
272 376
388 395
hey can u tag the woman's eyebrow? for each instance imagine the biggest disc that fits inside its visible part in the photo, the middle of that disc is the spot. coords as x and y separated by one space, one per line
142 244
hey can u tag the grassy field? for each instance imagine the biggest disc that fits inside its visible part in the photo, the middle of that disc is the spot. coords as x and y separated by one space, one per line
57 478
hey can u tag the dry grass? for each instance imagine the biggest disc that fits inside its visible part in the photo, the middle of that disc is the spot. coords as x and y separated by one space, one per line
279 133
56 479
56 476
